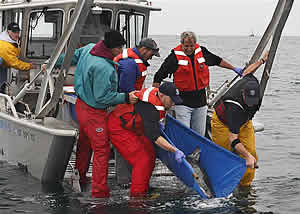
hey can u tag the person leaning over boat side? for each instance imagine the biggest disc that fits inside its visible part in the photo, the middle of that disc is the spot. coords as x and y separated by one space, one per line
133 128
133 63
96 84
10 51
231 124
188 63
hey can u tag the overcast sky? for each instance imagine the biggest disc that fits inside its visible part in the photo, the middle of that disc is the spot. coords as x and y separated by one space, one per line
219 17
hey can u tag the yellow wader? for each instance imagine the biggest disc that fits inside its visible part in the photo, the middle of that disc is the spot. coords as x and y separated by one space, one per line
220 133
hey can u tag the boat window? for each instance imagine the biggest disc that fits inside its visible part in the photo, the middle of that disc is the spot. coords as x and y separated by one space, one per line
131 25
45 29
18 17
7 17
95 26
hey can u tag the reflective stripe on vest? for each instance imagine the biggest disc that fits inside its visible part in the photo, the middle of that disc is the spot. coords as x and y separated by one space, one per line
125 54
139 61
146 96
129 53
187 77
234 102
201 60
180 53
198 50
183 62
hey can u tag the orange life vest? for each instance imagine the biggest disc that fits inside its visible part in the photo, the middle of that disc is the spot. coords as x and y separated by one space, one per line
185 78
129 53
129 117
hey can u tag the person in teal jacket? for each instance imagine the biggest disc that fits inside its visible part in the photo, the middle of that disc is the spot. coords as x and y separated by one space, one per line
96 87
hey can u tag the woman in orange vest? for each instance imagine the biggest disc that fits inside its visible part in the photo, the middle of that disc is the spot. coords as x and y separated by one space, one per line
133 128
188 63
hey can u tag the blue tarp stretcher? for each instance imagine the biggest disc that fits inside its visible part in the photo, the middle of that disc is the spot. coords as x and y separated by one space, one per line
223 168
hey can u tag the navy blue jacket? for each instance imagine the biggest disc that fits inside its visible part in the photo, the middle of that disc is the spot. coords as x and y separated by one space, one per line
128 73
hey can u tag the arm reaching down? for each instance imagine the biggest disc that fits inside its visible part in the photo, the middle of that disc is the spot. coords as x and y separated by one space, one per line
163 143
241 150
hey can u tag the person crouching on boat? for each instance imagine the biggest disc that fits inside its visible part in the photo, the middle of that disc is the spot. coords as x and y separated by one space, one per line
133 128
132 72
96 84
188 63
10 51
231 124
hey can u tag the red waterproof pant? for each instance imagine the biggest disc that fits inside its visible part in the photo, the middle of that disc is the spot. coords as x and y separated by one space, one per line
93 137
137 150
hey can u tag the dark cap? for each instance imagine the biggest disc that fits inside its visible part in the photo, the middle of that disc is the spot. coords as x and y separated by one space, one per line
252 93
113 39
150 43
169 89
14 27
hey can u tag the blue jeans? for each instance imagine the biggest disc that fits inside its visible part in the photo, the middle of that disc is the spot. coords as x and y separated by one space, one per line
194 118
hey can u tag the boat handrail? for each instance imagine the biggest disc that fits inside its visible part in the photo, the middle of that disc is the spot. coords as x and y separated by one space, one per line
10 103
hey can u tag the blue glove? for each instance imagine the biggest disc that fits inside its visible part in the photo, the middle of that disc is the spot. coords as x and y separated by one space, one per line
179 155
239 71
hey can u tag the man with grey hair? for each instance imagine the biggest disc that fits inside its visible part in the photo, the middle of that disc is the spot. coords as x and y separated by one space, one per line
188 63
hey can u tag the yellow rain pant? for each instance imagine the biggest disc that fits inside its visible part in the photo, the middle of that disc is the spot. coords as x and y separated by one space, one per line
220 133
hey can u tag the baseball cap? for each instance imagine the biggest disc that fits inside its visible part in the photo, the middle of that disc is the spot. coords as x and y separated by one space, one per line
14 27
169 89
150 43
252 93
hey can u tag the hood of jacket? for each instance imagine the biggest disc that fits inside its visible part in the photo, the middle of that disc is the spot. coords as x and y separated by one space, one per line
5 37
102 51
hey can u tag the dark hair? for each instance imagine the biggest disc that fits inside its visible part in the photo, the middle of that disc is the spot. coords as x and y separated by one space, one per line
113 39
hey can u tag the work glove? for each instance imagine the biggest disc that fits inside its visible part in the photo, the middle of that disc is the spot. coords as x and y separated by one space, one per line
179 155
239 71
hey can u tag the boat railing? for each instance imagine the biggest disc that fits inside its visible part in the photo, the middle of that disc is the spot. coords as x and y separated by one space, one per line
214 95
10 104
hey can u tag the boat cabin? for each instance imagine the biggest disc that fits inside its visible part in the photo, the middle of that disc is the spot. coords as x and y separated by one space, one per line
43 23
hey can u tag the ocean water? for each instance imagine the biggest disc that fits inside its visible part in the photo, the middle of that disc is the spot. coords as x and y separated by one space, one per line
276 188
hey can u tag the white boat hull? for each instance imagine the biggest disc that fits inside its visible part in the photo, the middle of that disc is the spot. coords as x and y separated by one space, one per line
43 149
